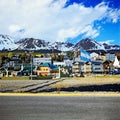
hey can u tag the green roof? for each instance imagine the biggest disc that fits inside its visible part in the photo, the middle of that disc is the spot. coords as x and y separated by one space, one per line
28 67
44 64
51 66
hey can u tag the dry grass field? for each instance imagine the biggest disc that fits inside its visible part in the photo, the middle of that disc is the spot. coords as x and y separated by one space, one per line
13 83
6 85
88 80
16 78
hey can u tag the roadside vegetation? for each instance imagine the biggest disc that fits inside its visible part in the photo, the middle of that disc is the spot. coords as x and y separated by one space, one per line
16 78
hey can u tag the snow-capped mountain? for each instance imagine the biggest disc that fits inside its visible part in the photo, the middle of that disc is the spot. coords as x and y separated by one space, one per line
7 43
89 44
62 46
32 44
37 44
109 47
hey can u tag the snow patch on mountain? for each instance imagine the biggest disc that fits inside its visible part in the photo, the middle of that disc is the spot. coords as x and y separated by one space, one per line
89 44
7 43
98 45
32 44
62 46
37 44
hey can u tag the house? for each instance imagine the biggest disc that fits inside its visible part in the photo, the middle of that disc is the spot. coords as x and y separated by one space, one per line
68 62
26 69
103 57
77 68
97 66
39 60
59 63
108 67
87 67
110 56
46 69
11 70
94 56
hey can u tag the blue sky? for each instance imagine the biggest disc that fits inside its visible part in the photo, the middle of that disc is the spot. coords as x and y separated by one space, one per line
61 20
110 31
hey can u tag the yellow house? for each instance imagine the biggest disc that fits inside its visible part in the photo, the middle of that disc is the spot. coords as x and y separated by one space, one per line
43 70
46 69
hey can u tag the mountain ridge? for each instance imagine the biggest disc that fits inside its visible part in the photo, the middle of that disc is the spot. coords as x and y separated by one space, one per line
6 42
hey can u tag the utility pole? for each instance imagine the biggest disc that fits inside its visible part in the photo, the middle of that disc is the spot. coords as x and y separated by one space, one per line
31 65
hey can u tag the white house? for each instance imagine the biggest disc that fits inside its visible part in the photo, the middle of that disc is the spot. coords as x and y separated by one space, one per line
110 56
59 63
97 66
94 56
39 60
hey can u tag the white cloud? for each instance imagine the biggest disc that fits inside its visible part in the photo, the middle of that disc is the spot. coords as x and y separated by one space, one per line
89 31
48 20
114 15
109 42
14 28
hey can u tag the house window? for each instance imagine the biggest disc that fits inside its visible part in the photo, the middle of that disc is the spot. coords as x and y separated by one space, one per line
97 68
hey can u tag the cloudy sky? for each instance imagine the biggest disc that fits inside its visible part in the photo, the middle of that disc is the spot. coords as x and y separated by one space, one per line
61 20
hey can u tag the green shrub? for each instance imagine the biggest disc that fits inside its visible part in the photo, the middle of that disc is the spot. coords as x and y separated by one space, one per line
40 77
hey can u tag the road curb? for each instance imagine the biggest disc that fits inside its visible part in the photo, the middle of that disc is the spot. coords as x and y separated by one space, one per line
80 94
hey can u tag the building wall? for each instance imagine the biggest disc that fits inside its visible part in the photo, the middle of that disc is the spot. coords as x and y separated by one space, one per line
94 56
87 68
110 56
97 67
43 71
76 68
103 57
37 61
59 63
46 71
108 67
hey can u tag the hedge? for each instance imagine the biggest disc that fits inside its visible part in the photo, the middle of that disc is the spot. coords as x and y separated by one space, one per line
40 77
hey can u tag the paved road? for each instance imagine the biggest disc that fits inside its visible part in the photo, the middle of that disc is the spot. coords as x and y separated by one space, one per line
59 108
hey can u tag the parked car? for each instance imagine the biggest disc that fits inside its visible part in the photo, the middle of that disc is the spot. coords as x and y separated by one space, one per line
117 71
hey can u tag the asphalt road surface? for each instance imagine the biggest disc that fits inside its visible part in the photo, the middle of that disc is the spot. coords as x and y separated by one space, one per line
59 108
